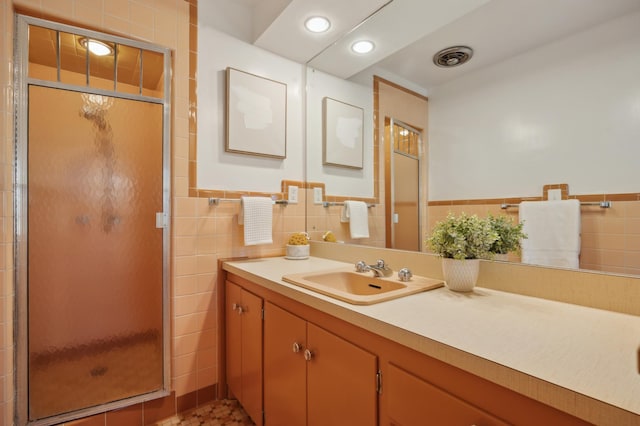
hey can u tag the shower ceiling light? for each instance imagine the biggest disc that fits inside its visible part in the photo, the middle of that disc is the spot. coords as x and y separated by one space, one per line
97 47
362 46
317 24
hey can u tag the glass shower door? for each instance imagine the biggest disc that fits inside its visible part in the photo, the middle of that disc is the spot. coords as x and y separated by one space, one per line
95 255
404 186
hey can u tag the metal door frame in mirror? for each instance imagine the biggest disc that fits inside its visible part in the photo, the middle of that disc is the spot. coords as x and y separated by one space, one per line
404 202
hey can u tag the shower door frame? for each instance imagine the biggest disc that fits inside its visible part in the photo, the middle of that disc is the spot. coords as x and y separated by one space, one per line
21 105
390 180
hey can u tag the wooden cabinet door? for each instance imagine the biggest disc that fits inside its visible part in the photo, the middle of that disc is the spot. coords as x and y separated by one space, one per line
285 392
252 356
244 348
341 381
412 401
233 299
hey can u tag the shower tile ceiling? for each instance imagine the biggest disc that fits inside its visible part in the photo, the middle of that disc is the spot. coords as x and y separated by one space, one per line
73 57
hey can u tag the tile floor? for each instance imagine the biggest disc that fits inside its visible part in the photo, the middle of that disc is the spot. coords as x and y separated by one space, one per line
217 413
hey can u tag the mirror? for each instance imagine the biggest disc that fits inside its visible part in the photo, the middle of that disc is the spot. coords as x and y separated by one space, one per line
550 96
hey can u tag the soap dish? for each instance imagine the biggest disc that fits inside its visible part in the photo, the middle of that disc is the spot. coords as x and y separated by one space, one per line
297 252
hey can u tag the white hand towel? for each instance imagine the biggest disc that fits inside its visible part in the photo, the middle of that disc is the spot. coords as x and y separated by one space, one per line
553 231
357 214
256 215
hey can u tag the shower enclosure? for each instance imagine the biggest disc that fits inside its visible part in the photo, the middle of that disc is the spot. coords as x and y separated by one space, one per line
92 203
403 178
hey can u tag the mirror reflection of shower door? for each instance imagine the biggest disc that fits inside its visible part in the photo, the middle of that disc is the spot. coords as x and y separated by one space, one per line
406 217
402 186
95 256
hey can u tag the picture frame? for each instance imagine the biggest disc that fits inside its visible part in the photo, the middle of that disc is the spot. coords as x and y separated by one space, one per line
256 115
342 134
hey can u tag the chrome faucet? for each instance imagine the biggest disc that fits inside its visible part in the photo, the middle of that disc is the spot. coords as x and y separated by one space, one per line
379 269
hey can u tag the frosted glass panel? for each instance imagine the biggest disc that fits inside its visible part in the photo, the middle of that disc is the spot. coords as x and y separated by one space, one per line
95 254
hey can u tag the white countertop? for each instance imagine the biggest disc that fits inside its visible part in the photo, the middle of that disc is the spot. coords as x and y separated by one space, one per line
583 350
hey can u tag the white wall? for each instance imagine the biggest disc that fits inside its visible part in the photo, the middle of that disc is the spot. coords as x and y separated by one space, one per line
218 169
568 112
339 181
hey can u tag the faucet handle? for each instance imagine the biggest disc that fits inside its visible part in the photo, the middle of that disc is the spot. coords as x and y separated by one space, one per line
380 263
361 266
404 274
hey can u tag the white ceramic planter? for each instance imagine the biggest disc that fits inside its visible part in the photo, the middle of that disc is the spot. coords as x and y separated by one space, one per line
297 252
460 275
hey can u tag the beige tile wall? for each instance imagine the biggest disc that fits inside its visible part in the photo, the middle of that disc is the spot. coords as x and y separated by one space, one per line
611 238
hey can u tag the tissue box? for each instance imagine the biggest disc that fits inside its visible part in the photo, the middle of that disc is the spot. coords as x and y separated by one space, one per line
297 252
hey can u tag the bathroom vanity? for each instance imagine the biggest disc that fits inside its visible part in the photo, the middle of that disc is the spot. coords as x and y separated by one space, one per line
437 357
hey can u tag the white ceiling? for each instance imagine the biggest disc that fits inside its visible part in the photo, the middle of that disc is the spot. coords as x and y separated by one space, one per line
407 33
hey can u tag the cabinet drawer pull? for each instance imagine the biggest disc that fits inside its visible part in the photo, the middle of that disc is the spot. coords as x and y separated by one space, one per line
308 354
297 347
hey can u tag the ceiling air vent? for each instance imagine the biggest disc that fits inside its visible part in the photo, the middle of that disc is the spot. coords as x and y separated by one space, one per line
452 56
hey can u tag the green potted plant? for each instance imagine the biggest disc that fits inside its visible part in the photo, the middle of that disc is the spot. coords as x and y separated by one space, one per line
462 241
509 233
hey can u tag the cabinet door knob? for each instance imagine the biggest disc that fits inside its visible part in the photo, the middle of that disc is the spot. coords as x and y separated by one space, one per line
297 347
240 310
234 306
308 354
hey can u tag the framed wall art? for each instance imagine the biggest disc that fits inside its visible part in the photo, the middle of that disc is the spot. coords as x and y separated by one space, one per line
256 115
342 134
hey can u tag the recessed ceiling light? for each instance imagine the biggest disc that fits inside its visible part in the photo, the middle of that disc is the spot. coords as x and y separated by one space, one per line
317 24
97 47
362 46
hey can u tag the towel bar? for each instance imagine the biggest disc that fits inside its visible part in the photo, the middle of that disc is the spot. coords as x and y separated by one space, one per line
602 204
335 203
216 201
